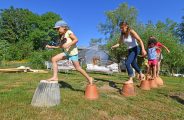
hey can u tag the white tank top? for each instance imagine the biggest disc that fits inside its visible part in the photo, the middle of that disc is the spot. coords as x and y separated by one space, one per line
130 41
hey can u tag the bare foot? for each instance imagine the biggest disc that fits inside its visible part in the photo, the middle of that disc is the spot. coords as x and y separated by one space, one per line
148 77
53 79
142 77
128 82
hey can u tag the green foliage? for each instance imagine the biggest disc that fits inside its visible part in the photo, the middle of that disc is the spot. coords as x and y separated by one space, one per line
111 28
38 58
165 32
4 45
25 31
163 103
94 41
118 53
180 30
16 24
114 17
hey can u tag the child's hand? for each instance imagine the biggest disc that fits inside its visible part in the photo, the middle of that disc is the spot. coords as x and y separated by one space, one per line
112 48
168 51
144 53
65 46
48 46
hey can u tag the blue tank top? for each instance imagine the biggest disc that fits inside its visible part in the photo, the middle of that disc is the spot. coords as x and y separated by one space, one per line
152 53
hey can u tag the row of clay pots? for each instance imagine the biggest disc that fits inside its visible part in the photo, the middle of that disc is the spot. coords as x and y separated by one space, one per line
151 83
91 92
128 89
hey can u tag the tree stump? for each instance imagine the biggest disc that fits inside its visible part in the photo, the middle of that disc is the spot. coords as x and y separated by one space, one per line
47 94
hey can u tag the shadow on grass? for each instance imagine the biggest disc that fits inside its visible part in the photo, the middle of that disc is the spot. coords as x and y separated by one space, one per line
178 99
66 85
67 72
111 83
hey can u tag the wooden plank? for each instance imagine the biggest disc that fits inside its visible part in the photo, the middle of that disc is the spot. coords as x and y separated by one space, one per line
11 70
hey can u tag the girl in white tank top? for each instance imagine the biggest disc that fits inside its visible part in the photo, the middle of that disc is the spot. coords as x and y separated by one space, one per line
130 42
130 38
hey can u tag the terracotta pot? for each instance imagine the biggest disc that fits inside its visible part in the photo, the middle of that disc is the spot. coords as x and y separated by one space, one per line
128 90
153 83
159 81
91 92
145 85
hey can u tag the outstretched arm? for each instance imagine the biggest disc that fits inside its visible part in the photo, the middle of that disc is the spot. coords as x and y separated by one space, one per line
117 45
136 36
166 48
49 46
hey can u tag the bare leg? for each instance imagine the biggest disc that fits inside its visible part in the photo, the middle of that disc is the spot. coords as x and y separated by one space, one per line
158 68
78 68
129 81
148 70
56 58
154 71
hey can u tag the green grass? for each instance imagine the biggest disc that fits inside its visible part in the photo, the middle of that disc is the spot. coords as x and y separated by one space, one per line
17 89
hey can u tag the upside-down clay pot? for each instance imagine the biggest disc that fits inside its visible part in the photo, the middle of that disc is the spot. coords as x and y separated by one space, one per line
159 81
91 92
153 83
128 90
145 85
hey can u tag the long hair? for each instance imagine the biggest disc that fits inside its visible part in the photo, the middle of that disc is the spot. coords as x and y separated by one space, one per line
125 34
62 38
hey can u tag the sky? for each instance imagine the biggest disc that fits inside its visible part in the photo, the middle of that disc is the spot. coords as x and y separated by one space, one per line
83 16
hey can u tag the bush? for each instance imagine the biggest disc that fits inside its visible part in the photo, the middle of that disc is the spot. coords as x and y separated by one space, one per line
38 58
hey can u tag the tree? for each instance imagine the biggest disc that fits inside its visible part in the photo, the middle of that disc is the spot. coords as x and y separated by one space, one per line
94 41
4 45
111 27
180 31
23 29
163 31
16 24
114 17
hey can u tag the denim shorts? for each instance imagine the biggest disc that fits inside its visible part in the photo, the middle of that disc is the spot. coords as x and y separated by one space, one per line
72 58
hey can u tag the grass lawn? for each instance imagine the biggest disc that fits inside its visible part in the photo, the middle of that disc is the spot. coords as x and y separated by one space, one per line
17 89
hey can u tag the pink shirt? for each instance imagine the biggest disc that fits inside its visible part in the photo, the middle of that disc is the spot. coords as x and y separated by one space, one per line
159 45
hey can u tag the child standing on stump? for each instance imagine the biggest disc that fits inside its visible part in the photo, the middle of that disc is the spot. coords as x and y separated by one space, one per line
68 43
131 39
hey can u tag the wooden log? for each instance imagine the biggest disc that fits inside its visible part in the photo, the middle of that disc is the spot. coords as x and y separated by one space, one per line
47 94
9 70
